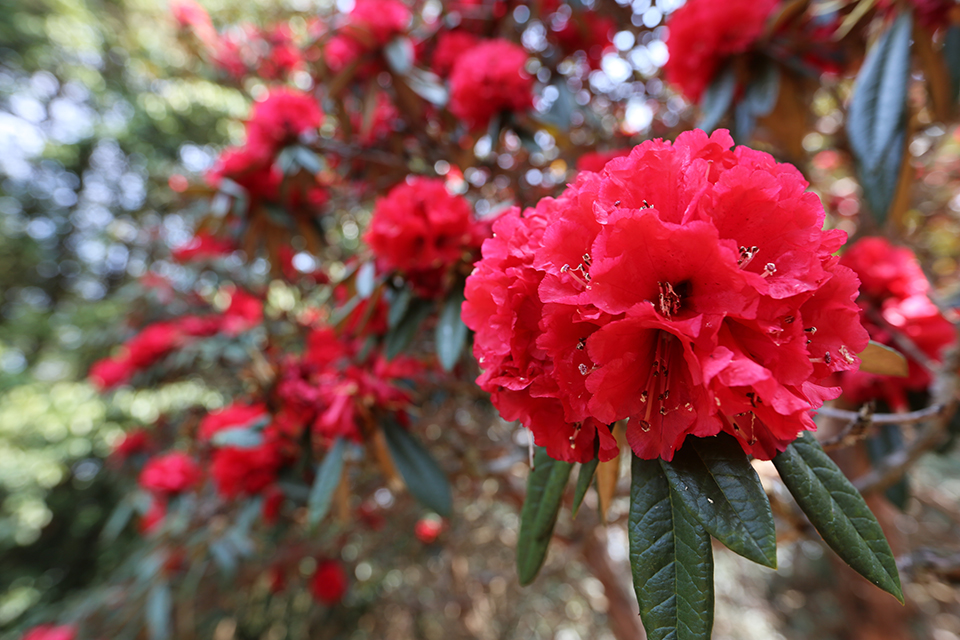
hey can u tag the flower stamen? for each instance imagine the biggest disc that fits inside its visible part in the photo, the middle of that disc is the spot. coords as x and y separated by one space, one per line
746 255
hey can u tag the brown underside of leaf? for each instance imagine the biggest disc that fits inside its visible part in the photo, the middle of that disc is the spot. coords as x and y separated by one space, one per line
882 360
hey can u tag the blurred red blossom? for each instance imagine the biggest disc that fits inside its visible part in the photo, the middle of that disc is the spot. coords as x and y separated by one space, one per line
203 246
422 230
894 300
704 33
428 530
724 319
487 79
595 161
170 473
329 583
51 632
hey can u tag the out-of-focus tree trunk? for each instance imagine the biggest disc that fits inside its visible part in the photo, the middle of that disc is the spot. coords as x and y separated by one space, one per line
622 612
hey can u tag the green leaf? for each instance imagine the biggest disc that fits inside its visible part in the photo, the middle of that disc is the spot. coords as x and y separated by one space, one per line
451 332
159 609
877 118
366 280
545 487
951 53
419 470
328 478
717 99
118 520
399 55
399 337
428 86
671 559
714 480
399 306
584 479
240 438
838 512
759 99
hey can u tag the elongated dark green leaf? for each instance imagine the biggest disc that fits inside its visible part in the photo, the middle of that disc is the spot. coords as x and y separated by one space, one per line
545 486
717 99
451 332
671 559
158 611
951 53
419 470
366 280
118 520
399 337
715 482
758 100
328 477
584 479
399 306
838 512
876 120
240 438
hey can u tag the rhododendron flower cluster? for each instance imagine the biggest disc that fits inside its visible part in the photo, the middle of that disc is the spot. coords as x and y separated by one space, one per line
895 298
277 121
240 470
422 230
333 391
488 79
51 632
329 583
170 473
371 25
689 288
161 338
704 33
203 246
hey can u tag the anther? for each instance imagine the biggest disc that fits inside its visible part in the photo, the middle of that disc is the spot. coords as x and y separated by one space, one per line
581 344
827 358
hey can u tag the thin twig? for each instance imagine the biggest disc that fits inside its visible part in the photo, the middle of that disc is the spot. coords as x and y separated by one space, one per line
883 418
944 392
854 430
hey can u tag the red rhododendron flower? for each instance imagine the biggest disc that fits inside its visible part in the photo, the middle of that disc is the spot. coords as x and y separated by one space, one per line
169 473
203 246
382 19
894 299
334 391
585 31
245 470
154 516
487 79
428 530
885 270
281 117
596 160
51 632
235 416
110 372
421 230
132 443
450 46
724 317
703 33
190 15
329 583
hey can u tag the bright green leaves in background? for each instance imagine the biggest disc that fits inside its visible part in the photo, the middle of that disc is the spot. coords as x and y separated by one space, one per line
709 489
